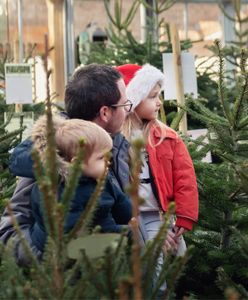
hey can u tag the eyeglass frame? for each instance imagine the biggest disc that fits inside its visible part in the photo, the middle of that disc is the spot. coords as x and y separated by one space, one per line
127 103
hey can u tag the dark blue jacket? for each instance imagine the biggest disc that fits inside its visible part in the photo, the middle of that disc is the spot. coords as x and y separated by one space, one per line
20 203
112 197
113 211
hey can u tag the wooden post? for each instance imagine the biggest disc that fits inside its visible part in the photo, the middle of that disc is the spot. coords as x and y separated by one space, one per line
56 40
177 62
18 106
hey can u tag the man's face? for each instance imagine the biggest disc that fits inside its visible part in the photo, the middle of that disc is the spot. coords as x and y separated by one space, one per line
118 113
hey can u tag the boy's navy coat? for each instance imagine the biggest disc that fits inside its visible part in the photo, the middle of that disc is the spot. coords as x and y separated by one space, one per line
21 165
114 209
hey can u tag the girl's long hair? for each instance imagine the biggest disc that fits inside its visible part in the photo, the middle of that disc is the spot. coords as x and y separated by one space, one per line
134 127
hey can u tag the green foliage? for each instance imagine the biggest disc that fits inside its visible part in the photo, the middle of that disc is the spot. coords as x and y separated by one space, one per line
8 140
219 258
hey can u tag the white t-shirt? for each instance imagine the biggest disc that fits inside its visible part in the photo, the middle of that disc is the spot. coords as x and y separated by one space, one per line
145 188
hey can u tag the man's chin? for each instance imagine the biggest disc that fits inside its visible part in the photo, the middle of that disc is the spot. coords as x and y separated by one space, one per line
115 133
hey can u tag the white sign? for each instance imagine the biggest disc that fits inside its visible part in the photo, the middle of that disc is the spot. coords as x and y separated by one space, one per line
194 134
189 75
18 83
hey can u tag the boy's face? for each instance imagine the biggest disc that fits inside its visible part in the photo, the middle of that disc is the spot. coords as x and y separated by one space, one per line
149 107
95 165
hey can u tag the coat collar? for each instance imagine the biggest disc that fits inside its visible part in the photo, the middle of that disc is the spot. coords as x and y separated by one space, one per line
166 131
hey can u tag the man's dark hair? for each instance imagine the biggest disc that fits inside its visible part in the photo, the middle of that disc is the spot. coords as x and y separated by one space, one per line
90 88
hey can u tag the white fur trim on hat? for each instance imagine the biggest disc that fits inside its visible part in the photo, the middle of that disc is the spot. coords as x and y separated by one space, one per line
143 82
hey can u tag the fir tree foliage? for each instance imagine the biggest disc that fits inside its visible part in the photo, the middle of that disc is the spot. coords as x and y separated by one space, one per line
218 252
8 141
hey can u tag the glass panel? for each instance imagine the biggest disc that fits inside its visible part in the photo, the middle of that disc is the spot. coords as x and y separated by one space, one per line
34 25
203 24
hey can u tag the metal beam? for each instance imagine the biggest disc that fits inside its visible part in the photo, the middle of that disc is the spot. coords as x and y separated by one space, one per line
209 1
20 33
69 43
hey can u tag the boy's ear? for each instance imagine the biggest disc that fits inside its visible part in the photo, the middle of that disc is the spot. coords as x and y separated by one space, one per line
105 113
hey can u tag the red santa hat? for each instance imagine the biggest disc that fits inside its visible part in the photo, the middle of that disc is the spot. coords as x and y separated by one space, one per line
140 81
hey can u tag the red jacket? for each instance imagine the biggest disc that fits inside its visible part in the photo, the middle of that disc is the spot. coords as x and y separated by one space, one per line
174 176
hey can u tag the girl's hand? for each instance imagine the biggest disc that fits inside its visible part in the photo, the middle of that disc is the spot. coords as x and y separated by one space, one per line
179 231
170 243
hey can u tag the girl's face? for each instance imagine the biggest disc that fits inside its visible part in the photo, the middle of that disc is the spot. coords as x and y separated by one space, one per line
149 107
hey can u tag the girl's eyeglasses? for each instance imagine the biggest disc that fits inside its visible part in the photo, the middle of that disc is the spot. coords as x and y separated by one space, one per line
127 105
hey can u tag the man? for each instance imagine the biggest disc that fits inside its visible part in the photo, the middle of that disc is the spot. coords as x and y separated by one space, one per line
95 93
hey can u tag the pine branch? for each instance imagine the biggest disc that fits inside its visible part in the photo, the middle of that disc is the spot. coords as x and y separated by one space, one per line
222 89
135 255
225 281
73 176
242 96
162 112
202 113
11 134
37 267
243 123
124 286
51 162
225 13
47 196
108 266
177 119
92 274
175 271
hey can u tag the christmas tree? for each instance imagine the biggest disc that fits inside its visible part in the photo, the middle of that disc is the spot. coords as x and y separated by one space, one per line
223 189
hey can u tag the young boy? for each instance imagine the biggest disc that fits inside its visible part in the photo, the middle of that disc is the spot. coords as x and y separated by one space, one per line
114 206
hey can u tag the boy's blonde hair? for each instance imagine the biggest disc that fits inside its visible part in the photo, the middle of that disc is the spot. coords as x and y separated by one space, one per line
68 132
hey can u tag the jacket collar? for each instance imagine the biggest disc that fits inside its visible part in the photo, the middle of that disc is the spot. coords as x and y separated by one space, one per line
167 132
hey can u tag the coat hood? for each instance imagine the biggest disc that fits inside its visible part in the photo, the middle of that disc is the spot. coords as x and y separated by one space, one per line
39 139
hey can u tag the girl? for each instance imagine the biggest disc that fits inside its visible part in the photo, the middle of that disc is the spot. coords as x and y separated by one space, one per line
167 173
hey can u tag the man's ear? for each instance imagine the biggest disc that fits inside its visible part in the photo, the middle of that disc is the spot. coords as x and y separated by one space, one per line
105 113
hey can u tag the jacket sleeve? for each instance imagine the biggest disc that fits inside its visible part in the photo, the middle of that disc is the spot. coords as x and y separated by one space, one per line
102 215
114 209
185 186
21 163
20 205
78 204
122 208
